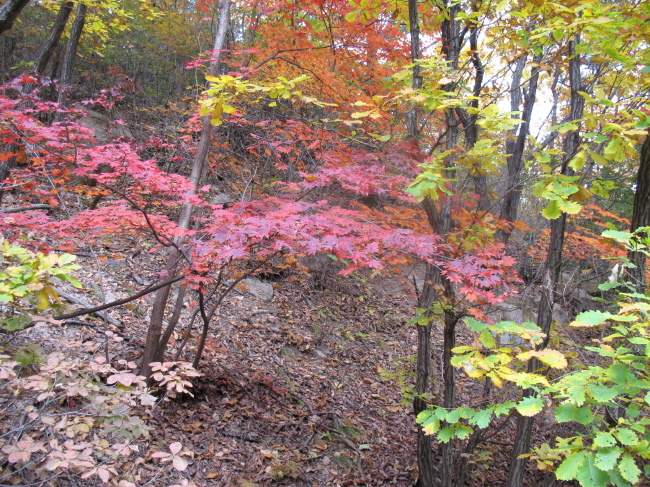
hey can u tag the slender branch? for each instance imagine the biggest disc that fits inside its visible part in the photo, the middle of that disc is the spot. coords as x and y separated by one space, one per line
87 311
166 242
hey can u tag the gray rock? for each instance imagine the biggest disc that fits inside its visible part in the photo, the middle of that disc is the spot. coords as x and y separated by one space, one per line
104 131
259 289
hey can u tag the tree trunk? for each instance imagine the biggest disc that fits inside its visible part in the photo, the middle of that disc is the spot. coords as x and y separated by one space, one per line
40 62
153 352
552 271
71 49
641 217
426 477
515 148
48 47
9 12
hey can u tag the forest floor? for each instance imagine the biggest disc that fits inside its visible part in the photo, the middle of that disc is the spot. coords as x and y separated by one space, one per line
302 389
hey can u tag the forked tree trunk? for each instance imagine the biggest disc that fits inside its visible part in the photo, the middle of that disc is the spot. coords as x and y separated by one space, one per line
9 12
154 348
551 272
47 49
71 50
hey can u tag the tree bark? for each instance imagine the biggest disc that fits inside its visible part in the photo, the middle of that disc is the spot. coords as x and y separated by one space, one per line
515 148
48 47
426 477
71 49
153 352
641 217
9 12
552 271
40 62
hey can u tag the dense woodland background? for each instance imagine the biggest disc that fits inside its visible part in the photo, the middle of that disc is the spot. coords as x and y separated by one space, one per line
324 243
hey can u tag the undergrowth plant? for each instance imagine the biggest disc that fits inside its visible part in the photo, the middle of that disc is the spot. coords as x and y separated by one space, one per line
609 401
65 414
78 417
25 283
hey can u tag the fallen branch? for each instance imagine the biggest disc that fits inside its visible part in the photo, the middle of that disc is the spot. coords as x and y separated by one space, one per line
18 209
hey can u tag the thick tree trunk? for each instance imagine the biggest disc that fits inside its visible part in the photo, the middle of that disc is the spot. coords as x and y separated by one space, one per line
9 12
641 217
552 271
153 352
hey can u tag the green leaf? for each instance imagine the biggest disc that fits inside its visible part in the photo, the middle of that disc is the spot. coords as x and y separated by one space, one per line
74 281
570 412
481 418
617 235
628 469
627 437
614 150
598 159
602 393
487 339
463 432
503 409
530 406
430 424
590 475
446 434
569 468
607 457
591 318
552 211
352 16
66 259
569 207
616 479
606 286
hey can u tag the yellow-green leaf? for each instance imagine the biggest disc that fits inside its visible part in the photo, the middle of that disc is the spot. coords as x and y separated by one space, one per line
552 358
530 406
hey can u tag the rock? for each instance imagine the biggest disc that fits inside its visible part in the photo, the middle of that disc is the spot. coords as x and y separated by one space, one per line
222 199
259 289
104 130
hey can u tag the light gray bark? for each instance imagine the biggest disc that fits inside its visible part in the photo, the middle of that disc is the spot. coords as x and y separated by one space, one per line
154 348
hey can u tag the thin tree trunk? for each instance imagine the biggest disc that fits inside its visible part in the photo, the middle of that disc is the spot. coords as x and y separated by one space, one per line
552 271
451 47
426 477
71 50
416 55
9 12
515 148
153 352
641 217
40 62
